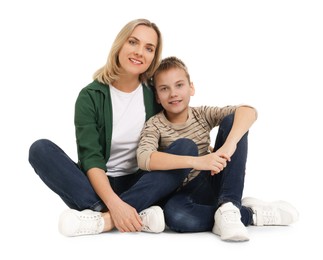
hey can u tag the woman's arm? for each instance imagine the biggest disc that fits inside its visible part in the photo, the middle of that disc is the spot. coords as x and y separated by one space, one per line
125 218
93 162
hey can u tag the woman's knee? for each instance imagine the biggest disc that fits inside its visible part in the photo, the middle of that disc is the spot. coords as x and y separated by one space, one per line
38 148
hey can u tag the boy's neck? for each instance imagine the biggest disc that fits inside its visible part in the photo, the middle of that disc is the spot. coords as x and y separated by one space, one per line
177 118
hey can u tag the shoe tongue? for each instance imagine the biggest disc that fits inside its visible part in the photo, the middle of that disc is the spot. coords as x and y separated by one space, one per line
228 206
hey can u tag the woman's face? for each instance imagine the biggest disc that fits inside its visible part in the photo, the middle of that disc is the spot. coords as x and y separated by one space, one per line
138 52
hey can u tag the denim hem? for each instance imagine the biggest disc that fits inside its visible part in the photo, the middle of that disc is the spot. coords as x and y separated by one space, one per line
98 206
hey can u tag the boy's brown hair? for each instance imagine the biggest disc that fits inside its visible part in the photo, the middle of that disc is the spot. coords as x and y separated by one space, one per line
171 63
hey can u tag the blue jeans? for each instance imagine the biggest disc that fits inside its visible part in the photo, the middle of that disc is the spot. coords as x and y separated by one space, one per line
192 208
140 190
189 209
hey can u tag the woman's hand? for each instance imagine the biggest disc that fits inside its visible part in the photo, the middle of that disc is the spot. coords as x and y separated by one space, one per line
124 216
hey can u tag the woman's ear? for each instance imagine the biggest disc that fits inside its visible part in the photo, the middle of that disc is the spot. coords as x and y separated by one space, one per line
157 98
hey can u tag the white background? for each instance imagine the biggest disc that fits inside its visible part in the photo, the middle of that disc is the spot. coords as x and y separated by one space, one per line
265 53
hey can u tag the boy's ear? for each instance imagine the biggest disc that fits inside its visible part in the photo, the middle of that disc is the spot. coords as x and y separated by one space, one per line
192 89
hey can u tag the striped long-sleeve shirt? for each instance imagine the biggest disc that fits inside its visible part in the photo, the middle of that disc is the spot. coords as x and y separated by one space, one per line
159 133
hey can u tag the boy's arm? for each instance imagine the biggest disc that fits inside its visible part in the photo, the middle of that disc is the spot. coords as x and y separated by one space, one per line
148 156
165 161
148 143
244 117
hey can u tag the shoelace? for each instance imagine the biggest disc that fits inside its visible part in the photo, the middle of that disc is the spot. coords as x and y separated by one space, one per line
231 216
89 224
267 216
143 218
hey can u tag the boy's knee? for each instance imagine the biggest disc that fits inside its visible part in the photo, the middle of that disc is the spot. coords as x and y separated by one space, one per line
184 146
227 121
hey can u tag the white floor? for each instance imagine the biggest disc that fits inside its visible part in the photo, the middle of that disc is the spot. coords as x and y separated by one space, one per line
38 239
265 243
31 231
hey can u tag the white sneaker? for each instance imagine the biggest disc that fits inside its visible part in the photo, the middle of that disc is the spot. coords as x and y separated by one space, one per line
277 213
228 225
77 223
153 219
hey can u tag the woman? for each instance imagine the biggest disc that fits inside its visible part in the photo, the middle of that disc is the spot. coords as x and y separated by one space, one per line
117 100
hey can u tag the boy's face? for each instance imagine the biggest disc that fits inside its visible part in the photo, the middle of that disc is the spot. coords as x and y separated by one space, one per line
173 92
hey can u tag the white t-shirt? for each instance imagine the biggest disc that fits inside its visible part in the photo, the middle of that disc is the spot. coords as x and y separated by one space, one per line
128 119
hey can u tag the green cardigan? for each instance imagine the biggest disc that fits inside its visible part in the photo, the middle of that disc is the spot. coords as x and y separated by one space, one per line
93 123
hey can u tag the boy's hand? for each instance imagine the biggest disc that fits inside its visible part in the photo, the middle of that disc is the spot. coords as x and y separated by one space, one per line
216 161
225 151
213 162
228 149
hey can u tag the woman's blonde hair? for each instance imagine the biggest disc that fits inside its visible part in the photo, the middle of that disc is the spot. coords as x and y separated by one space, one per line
111 71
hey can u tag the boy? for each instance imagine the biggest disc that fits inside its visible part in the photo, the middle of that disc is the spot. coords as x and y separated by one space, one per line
210 197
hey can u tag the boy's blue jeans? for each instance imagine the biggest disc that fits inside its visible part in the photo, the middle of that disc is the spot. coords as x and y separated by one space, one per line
190 209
